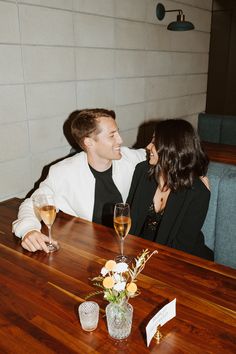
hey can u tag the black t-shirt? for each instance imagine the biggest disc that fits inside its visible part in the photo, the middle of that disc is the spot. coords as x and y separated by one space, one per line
106 195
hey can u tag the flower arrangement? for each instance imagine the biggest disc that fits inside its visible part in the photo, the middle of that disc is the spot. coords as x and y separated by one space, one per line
118 281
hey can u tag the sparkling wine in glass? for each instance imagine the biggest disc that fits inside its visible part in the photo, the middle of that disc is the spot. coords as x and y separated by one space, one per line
44 205
122 224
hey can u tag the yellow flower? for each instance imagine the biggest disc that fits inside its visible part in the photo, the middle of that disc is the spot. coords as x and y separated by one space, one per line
131 288
110 265
108 282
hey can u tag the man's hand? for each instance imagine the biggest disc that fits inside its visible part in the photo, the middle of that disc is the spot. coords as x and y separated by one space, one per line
35 241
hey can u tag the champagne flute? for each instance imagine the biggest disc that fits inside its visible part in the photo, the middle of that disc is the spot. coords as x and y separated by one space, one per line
122 224
44 206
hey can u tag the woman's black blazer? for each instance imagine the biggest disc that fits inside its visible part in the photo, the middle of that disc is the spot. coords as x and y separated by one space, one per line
184 214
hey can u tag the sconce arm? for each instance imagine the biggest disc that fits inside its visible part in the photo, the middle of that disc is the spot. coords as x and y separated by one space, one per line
177 10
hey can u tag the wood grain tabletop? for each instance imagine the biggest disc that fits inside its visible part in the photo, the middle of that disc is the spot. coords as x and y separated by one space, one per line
40 294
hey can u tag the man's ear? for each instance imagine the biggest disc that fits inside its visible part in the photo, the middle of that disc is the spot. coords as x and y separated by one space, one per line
88 142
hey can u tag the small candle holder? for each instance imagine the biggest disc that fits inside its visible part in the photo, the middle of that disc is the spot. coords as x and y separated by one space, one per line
88 315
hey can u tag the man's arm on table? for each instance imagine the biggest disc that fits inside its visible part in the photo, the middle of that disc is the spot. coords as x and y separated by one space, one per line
28 226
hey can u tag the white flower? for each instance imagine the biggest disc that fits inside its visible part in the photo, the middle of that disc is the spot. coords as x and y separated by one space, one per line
119 286
117 277
121 267
104 271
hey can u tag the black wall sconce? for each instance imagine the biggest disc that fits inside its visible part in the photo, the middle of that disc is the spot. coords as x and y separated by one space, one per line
179 25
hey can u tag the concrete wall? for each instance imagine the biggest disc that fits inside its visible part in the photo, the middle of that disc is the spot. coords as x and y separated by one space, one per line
60 55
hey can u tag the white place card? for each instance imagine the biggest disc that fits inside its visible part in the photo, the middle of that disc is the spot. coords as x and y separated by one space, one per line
161 317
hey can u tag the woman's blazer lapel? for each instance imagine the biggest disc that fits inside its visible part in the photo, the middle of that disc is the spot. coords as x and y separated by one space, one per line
141 196
147 192
172 217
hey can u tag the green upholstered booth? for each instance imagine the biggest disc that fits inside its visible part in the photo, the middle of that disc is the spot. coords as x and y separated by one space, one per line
217 128
220 225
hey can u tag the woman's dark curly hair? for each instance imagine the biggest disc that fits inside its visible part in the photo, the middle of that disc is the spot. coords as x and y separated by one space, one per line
180 155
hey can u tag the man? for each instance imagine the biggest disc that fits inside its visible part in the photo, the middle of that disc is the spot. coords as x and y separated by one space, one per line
87 184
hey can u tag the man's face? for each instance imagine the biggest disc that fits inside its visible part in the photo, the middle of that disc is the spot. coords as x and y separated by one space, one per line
106 144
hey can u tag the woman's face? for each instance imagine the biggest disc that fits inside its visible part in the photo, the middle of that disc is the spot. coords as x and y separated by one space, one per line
153 155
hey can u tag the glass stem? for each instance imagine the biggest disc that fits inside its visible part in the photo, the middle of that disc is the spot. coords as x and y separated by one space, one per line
50 234
122 246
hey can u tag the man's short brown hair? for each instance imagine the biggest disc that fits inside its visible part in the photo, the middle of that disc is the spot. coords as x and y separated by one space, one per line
86 123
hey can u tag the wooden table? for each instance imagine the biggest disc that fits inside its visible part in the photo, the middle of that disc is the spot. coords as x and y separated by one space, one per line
40 294
220 152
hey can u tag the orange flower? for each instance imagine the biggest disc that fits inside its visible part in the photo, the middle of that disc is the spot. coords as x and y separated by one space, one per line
131 288
108 282
110 265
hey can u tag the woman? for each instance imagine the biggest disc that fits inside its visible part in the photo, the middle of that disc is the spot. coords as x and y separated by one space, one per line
169 196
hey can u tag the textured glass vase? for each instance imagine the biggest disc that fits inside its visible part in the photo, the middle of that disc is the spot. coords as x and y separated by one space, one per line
119 319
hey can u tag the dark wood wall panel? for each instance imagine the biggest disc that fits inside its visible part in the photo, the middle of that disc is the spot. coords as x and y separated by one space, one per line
221 90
